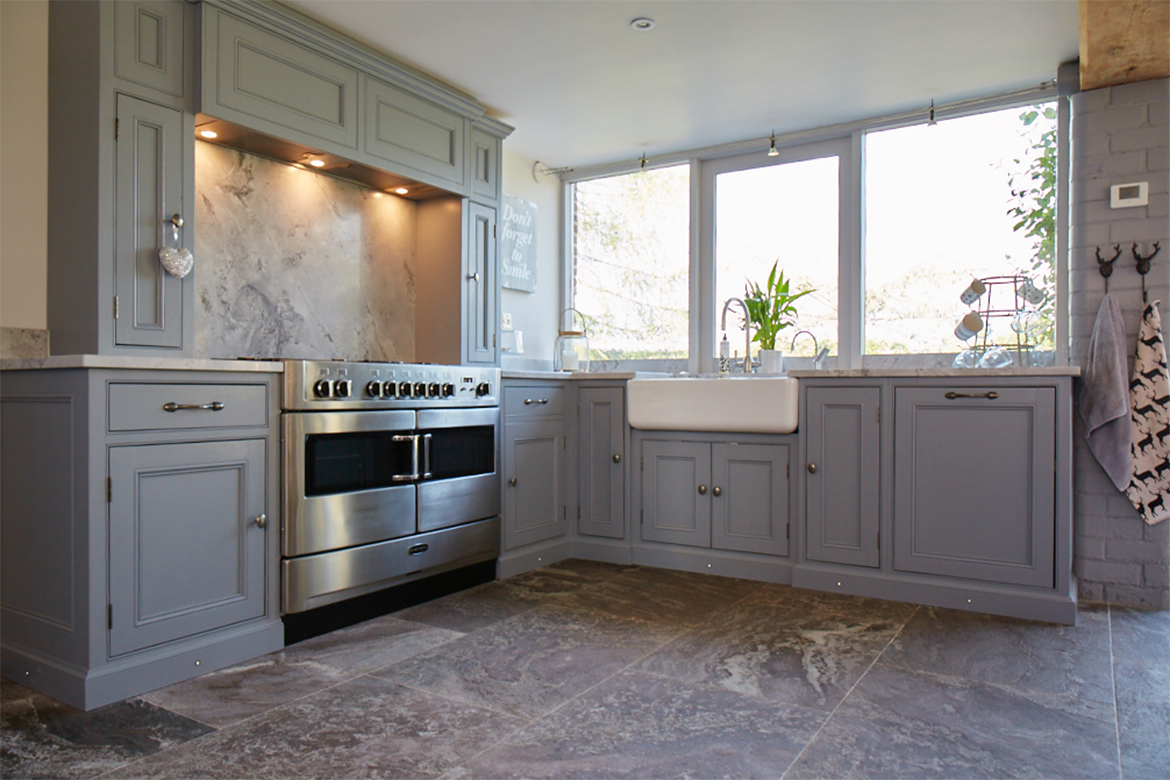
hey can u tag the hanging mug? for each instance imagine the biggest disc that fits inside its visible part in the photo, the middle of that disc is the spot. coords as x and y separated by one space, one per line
973 291
971 324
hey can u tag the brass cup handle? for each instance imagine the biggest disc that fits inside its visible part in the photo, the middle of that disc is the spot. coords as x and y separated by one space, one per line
512 482
952 395
702 490
261 520
171 406
812 468
716 491
617 458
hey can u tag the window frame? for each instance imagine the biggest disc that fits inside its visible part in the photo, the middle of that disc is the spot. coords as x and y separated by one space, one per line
849 141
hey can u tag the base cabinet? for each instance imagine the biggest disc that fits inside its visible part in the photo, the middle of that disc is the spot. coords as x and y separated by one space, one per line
721 495
534 463
135 544
601 465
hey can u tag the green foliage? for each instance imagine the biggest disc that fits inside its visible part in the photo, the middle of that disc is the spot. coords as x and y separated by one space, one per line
1033 208
770 308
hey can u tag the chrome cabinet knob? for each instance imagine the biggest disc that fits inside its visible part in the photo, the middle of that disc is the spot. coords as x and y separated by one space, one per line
512 482
261 520
716 491
617 458
474 277
812 468
702 490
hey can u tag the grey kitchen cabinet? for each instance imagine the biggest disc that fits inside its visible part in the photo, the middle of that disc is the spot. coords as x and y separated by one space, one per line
273 83
485 164
122 135
842 446
481 287
601 465
974 492
534 434
723 495
135 544
414 136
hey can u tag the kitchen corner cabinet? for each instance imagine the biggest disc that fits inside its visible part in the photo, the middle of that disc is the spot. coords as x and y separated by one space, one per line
120 129
715 493
601 465
842 455
135 537
534 434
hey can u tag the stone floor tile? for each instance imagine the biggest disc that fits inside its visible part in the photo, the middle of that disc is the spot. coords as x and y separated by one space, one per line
901 723
638 725
366 728
478 607
764 647
40 737
1140 633
532 663
10 691
663 597
245 690
1067 660
586 571
1141 668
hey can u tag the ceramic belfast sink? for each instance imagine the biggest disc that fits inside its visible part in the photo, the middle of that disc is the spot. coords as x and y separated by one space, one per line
744 404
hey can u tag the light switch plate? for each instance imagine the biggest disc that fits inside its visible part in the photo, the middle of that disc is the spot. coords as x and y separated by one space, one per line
506 320
1123 196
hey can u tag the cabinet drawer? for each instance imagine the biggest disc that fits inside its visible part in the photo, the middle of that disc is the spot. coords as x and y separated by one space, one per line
140 406
534 401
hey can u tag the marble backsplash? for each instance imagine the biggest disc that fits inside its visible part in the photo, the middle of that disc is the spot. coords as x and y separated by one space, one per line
293 264
23 343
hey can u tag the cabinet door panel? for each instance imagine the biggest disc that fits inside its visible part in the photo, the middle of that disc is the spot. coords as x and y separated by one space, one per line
673 509
973 484
751 512
149 189
485 165
842 498
409 131
148 48
601 489
534 491
186 555
480 286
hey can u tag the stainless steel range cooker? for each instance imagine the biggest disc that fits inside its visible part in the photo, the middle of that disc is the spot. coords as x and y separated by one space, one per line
390 474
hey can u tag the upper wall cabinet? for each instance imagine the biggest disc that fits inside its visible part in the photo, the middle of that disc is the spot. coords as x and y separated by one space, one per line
149 48
412 134
271 83
485 164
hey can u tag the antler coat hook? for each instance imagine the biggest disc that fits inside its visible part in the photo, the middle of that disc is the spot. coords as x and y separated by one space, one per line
1143 266
1106 266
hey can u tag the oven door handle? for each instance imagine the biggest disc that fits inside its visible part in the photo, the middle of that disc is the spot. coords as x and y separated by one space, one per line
413 439
426 440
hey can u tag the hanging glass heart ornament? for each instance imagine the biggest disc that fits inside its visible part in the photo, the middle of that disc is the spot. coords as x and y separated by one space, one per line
177 260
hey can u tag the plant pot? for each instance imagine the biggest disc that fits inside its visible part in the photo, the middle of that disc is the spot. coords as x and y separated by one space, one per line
771 361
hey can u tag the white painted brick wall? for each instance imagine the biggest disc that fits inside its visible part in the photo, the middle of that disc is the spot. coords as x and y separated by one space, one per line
1119 135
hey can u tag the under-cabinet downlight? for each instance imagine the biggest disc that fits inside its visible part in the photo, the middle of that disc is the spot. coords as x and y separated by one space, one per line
401 191
317 162
208 134
642 23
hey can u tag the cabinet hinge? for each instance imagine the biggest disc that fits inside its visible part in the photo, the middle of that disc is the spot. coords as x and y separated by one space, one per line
578 511
493 231
493 341
115 128
788 532
117 307
879 415
109 489
109 615
564 513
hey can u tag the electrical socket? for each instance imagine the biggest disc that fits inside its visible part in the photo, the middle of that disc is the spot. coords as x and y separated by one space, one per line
506 320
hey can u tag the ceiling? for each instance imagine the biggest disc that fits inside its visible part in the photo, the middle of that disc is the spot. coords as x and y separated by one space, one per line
581 87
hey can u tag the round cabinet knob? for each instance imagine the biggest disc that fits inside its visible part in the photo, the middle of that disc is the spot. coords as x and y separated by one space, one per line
716 491
617 458
512 482
323 388
473 277
702 490
812 468
261 520
374 389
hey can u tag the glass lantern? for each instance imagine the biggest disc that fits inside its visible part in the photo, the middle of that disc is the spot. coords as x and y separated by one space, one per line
571 351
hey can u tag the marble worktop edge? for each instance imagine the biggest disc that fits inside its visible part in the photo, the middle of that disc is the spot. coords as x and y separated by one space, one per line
133 362
927 373
580 375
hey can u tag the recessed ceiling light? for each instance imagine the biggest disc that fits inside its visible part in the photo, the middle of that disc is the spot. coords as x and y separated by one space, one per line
209 134
401 190
642 23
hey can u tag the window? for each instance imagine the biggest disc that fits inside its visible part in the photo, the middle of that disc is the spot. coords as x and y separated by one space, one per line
951 202
631 263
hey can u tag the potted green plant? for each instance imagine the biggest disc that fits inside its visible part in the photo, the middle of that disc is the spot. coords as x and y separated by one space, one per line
771 310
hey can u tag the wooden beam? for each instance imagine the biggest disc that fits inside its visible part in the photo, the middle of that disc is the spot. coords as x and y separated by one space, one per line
1123 41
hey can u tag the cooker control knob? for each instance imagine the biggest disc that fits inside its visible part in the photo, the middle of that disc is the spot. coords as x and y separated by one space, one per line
448 390
404 389
342 387
389 390
433 390
420 389
374 389
323 388
482 389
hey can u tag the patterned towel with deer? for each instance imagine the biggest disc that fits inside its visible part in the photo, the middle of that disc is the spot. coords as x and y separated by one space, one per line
1149 488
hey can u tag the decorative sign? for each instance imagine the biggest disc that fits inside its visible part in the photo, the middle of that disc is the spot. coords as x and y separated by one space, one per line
518 245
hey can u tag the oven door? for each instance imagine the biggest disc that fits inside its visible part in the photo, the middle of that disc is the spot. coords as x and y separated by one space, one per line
460 482
348 479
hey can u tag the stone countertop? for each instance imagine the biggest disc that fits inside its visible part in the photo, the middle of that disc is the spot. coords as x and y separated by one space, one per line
132 362
582 375
928 373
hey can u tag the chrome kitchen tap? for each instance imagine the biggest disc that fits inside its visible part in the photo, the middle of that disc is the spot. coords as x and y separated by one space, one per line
747 331
819 360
